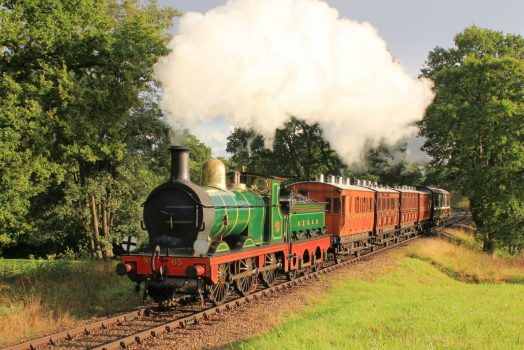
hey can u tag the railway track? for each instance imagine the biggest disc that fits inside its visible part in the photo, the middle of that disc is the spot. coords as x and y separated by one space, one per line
137 326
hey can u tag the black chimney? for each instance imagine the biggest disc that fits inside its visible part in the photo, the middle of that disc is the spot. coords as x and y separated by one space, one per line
179 163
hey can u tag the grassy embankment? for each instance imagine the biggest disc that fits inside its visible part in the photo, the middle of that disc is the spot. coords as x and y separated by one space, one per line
423 303
39 297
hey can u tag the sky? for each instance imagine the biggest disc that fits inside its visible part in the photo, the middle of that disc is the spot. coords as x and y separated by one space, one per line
411 29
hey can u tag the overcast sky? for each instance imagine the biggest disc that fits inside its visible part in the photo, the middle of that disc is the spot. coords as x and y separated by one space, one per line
411 28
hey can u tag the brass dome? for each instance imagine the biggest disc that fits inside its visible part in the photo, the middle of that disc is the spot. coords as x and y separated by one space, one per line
214 174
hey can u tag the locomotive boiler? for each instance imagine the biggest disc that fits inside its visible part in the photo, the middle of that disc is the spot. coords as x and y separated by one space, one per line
181 216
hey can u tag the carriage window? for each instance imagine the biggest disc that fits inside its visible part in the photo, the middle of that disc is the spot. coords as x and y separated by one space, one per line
357 205
344 205
336 205
328 206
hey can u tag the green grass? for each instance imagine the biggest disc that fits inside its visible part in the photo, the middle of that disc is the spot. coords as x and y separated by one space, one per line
415 306
38 296
21 268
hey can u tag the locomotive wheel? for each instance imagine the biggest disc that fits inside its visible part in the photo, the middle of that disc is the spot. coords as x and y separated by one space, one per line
269 276
248 284
217 293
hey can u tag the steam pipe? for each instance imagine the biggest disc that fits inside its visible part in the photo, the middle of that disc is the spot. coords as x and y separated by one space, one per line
179 163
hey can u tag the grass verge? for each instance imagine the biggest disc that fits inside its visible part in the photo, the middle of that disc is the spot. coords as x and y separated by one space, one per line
414 306
466 264
461 237
40 297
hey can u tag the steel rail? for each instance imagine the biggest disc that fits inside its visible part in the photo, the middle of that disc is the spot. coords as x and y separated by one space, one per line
53 339
141 336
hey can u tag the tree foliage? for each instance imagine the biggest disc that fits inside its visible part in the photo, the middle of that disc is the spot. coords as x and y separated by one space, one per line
389 165
78 115
475 128
299 151
247 149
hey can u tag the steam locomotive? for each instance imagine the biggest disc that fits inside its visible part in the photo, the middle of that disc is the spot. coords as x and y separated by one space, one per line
240 229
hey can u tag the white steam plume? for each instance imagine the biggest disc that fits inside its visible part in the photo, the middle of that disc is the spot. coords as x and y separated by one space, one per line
258 62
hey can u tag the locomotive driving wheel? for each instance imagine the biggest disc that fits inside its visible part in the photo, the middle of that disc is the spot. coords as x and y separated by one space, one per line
247 284
217 292
269 276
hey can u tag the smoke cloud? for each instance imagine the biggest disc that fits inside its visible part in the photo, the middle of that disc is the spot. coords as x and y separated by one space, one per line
258 62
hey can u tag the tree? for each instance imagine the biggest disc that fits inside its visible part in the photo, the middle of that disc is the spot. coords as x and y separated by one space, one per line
73 77
198 155
475 128
299 152
24 171
248 150
388 165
